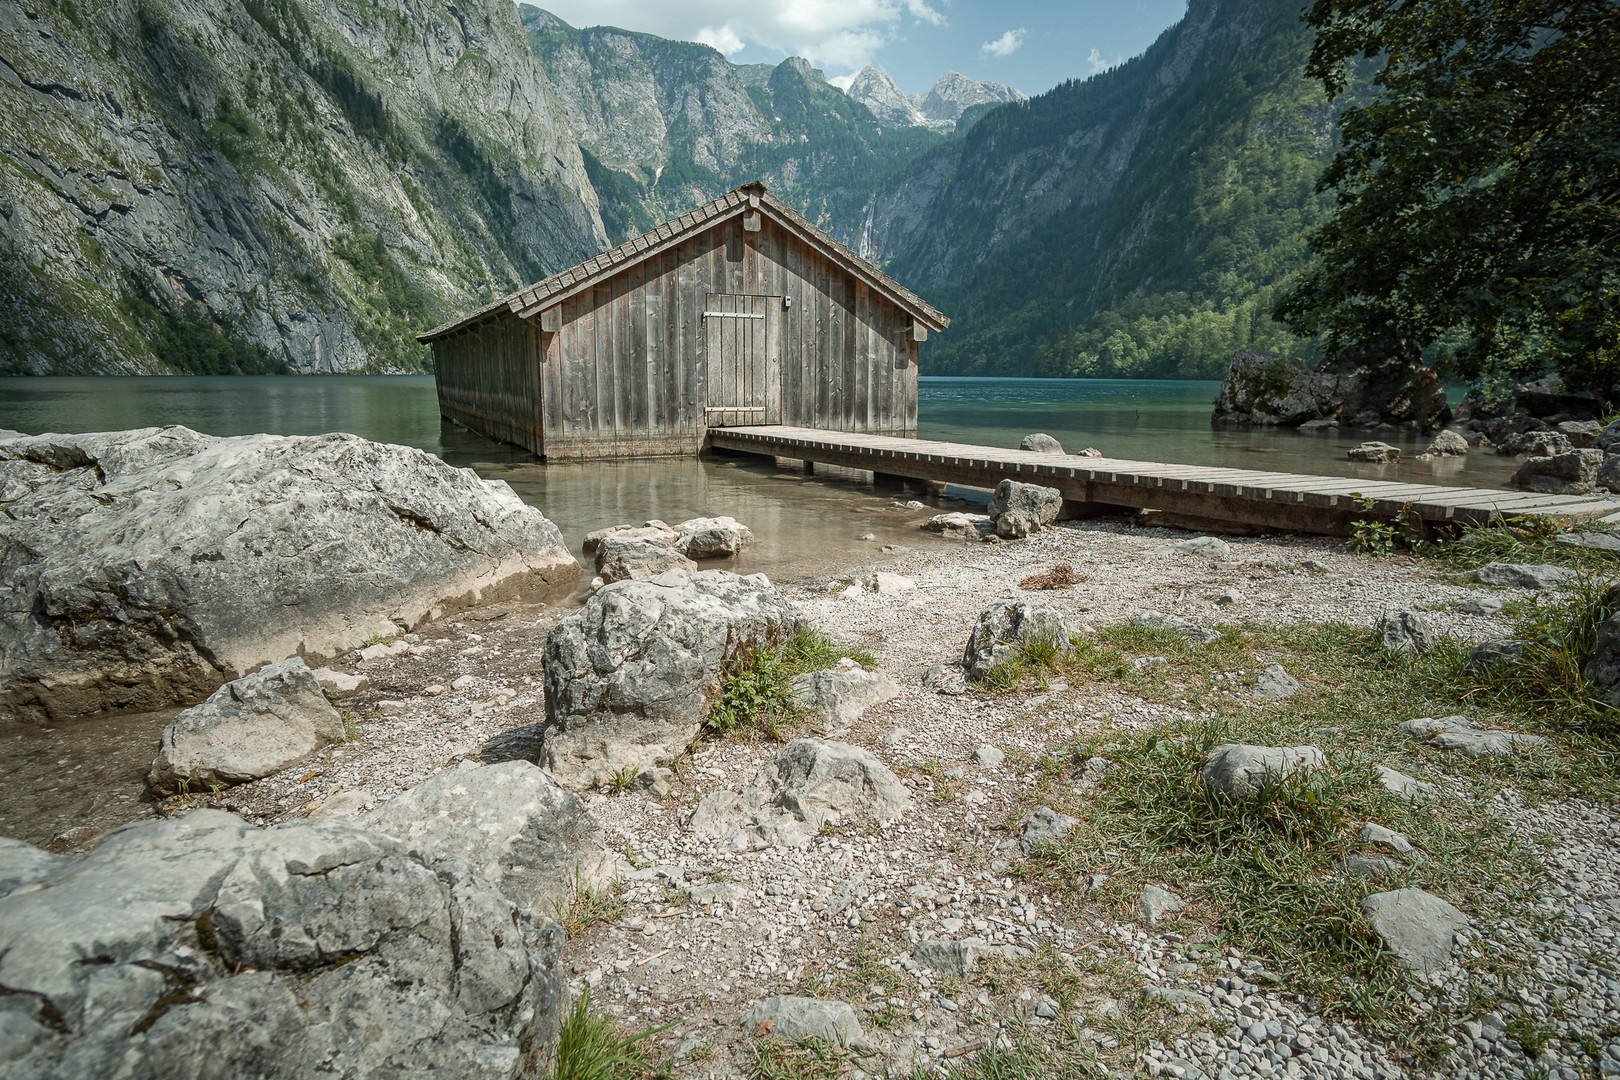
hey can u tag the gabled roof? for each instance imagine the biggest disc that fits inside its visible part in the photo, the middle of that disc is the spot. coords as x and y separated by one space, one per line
530 301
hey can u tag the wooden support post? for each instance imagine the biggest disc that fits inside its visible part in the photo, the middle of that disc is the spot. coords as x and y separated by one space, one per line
809 467
887 480
551 320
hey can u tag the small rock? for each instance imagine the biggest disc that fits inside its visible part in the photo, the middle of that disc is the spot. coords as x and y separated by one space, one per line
1461 734
1274 682
868 538
433 690
1090 451
1378 836
1371 866
894 738
1041 443
619 559
1480 605
1376 453
711 537
1158 620
1004 629
1418 927
1448 444
988 757
1044 826
1597 540
960 526
655 781
657 532
385 650
957 958
1408 788
1497 651
841 694
343 804
1525 576
795 1018
1406 630
945 679
1203 546
461 682
1236 771
1228 596
337 685
1157 903
886 584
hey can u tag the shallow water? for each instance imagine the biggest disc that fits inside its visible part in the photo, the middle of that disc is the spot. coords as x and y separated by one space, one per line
85 774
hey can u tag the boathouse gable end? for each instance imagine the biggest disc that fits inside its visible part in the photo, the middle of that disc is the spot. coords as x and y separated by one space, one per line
740 313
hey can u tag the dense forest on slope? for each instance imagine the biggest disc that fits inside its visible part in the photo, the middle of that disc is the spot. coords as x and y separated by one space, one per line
263 185
1138 223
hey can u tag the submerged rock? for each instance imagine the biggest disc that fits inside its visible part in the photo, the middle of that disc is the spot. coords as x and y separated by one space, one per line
250 728
712 537
629 677
224 950
1375 453
147 567
1572 473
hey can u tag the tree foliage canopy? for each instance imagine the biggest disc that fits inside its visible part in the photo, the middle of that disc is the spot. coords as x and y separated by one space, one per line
1478 192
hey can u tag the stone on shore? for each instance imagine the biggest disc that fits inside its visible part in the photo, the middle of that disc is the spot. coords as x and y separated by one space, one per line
806 785
337 685
1601 666
253 727
1525 576
656 531
1406 787
1406 630
1235 771
1157 903
1041 443
147 567
1021 509
1275 682
622 559
1535 444
1463 735
1207 547
1572 473
629 677
224 950
511 822
1418 927
883 583
1374 453
794 1018
945 679
1263 388
1158 620
712 537
1448 444
839 695
960 526
957 959
1004 629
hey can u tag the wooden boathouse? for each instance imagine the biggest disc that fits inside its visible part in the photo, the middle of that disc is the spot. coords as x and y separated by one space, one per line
738 313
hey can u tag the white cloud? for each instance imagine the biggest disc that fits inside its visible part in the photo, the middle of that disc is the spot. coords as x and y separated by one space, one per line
1005 45
828 33
1100 63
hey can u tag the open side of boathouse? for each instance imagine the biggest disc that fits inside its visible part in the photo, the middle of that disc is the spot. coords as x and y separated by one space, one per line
740 312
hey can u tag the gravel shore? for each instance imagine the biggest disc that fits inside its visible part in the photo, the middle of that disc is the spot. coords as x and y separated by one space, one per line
704 934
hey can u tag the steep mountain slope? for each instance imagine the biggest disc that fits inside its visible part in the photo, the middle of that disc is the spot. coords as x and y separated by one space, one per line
1136 223
672 124
219 184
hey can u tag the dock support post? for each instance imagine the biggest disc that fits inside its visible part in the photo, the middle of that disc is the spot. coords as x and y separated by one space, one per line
809 467
887 480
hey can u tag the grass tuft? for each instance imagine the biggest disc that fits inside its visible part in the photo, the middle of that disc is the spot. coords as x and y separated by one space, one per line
754 697
593 1048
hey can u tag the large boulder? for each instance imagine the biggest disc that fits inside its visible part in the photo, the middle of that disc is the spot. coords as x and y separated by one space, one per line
1262 388
1608 475
1004 629
1533 444
252 727
629 677
1582 434
202 947
1549 396
711 537
1572 473
808 784
1237 772
1041 443
144 568
621 558
511 822
1020 509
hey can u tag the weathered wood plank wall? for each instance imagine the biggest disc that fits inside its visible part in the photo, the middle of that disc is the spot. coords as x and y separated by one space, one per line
488 379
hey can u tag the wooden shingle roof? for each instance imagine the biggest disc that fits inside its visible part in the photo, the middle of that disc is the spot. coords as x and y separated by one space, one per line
529 301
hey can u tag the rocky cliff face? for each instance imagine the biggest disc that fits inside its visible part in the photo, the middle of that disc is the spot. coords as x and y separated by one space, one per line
955 93
887 102
308 180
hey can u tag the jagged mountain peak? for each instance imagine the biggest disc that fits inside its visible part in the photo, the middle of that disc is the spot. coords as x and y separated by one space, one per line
887 102
954 93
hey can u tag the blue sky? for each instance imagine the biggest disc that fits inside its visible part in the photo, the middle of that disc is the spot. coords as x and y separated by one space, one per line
1031 44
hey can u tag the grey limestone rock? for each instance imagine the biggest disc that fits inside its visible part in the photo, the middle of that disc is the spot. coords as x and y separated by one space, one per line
619 558
1043 826
1374 453
1207 547
1418 927
1463 735
1608 440
1497 651
1596 539
656 531
841 694
1406 787
147 567
1005 627
808 784
252 727
794 1018
1601 666
945 679
1041 443
960 526
1275 682
337 685
1406 630
511 823
1448 444
629 677
1481 605
1378 836
883 583
1157 903
1020 509
224 950
958 958
988 757
1263 388
1580 433
1525 576
1574 472
1158 620
1372 866
1535 444
712 537
1236 771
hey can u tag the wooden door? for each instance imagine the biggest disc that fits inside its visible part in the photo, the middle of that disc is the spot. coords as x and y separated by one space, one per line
742 353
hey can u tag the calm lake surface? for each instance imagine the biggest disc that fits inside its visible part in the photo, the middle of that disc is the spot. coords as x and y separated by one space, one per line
806 526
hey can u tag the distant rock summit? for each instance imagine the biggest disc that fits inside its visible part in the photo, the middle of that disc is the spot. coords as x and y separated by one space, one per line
939 109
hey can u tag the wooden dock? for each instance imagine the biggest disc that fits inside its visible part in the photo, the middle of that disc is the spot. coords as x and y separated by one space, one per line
1288 501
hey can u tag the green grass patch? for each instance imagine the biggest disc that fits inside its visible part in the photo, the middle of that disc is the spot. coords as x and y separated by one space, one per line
807 1059
591 906
592 1047
754 697
1525 539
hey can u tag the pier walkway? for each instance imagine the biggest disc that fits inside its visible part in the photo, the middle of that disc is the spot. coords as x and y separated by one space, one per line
1287 501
